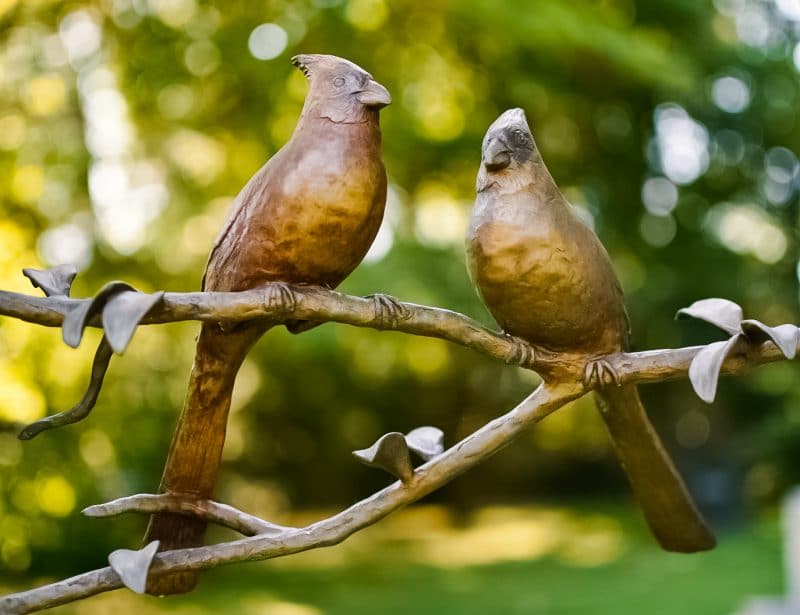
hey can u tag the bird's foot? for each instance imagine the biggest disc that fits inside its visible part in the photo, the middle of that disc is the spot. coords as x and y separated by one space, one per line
279 298
520 353
389 312
598 374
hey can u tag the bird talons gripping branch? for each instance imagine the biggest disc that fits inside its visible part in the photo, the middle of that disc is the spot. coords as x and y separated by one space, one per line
279 299
520 353
389 312
599 374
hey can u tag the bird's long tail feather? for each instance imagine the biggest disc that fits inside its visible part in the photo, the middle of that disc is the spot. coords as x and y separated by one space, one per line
668 508
196 450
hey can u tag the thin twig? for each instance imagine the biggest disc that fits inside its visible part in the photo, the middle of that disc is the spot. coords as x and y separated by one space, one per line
333 530
310 303
81 410
221 514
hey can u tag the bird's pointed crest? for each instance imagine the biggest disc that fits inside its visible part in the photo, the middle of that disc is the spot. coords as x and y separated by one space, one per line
511 117
310 63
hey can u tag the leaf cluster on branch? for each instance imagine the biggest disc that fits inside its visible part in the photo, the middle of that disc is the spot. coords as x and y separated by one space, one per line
118 309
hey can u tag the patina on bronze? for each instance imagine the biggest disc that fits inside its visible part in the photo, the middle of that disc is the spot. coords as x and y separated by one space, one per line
308 216
547 279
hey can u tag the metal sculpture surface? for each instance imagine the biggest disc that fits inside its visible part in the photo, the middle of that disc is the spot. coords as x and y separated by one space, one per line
547 279
308 216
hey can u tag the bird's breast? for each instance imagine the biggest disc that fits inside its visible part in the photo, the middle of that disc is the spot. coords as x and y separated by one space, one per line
315 212
538 278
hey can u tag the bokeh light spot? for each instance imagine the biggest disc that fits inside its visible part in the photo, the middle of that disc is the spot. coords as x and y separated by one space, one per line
267 41
174 13
440 219
598 541
10 450
80 35
658 231
382 243
56 496
46 94
271 606
12 130
747 229
19 401
96 448
6 6
176 101
428 358
659 196
27 183
367 14
789 8
442 120
202 58
15 554
682 144
199 156
68 243
781 165
730 94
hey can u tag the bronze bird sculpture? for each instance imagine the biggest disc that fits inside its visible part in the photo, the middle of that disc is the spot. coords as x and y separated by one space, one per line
547 279
308 216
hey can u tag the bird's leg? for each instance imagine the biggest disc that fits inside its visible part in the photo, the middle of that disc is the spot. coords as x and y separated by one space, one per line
599 373
389 312
278 297
520 353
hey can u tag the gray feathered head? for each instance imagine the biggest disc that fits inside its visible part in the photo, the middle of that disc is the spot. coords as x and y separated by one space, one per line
508 140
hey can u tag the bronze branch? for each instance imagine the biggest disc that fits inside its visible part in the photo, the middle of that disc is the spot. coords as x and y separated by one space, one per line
563 382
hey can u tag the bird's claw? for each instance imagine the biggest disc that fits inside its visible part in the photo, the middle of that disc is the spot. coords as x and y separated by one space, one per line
279 298
520 353
598 374
389 312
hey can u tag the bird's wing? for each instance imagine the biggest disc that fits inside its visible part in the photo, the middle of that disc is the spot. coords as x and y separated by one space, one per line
625 328
236 211
624 321
233 214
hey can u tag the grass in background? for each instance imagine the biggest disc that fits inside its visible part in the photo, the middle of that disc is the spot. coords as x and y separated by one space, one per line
498 561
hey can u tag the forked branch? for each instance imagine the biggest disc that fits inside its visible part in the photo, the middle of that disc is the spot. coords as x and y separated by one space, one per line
213 512
753 345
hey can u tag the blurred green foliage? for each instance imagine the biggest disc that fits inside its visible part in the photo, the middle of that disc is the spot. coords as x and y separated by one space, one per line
126 127
500 560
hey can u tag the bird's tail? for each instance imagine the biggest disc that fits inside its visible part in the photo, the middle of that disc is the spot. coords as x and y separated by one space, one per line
196 450
668 508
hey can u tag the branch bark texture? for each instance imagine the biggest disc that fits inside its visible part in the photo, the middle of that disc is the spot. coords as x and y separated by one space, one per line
562 383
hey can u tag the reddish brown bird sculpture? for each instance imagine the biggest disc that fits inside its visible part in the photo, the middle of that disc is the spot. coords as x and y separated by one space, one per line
547 279
308 216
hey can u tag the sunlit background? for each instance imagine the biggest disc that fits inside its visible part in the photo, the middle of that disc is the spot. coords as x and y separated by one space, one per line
127 127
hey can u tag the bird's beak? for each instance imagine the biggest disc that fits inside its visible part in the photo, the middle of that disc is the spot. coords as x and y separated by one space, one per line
374 95
497 156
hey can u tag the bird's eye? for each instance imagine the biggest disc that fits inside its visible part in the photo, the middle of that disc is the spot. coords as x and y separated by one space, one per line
338 82
519 135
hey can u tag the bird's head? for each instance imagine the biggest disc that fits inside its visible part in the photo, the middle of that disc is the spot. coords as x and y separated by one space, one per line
340 90
508 143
